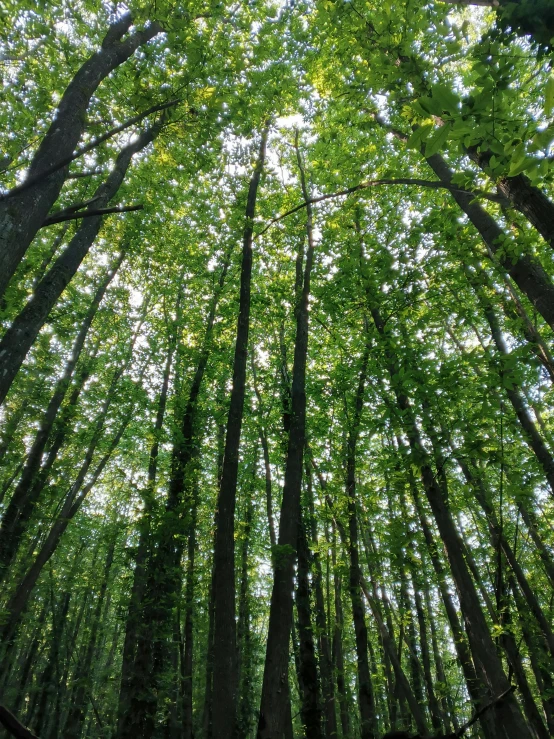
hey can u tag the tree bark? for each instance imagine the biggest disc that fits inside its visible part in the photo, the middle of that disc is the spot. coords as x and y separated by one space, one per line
527 273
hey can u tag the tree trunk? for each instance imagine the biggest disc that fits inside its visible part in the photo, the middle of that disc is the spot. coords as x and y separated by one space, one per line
24 329
135 623
274 696
507 712
72 503
83 691
225 686
526 272
307 673
26 493
324 646
366 699
23 211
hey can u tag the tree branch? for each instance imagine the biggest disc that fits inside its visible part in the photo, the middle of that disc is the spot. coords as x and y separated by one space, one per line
433 184
89 147
65 216
13 726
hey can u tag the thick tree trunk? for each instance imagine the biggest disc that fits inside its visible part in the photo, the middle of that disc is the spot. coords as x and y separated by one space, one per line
528 199
26 493
526 272
24 329
24 212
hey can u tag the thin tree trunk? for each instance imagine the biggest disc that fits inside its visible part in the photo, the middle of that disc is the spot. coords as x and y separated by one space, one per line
134 622
307 673
324 645
72 503
274 697
366 699
507 712
83 692
225 686
24 498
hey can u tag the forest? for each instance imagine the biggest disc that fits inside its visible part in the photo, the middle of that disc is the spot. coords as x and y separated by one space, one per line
276 369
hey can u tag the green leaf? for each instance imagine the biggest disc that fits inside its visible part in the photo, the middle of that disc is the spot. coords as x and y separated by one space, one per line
549 96
437 141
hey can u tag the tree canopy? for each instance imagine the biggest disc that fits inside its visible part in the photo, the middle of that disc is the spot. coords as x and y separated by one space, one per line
276 369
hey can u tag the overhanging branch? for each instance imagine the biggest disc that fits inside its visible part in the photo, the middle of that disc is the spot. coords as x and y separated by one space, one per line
433 184
89 147
59 218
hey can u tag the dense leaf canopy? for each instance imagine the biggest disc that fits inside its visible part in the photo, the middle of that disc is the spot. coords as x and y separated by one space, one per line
276 368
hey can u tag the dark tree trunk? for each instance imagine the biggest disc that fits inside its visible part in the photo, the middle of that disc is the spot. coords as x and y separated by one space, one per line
307 672
23 212
528 199
324 645
225 685
244 628
24 329
274 697
526 272
188 633
24 498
